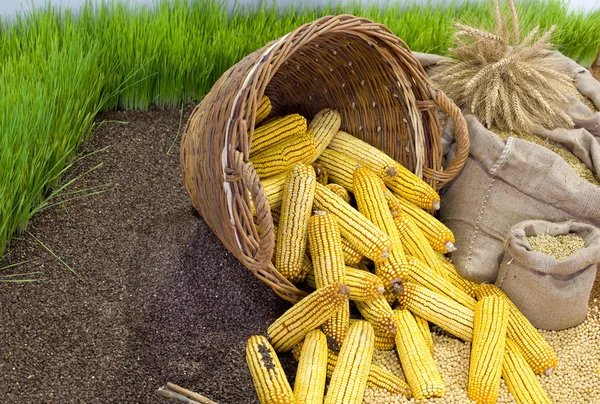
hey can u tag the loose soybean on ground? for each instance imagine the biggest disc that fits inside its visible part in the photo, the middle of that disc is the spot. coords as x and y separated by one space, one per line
575 380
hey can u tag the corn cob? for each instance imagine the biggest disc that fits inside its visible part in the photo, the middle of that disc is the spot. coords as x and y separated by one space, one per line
395 175
519 377
283 155
273 187
349 378
263 110
371 202
298 194
449 272
339 191
437 309
352 256
269 379
439 236
275 131
425 331
417 362
487 351
354 226
309 387
378 377
379 313
363 285
538 353
306 315
322 128
321 172
340 168
422 275
415 243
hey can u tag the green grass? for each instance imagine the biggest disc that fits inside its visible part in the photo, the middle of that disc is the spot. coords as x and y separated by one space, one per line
57 70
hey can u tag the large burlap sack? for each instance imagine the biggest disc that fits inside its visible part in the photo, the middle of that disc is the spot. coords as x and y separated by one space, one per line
553 294
504 183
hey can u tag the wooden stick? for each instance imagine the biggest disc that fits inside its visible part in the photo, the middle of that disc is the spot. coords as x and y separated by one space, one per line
174 396
176 392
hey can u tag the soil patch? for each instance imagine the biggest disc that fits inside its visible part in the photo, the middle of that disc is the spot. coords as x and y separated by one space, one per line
158 298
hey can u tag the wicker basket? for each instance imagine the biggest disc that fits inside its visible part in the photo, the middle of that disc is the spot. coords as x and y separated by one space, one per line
351 64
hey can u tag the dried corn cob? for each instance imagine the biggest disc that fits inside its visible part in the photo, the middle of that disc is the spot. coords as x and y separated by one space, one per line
449 271
385 341
284 155
363 285
437 309
263 110
340 168
352 256
439 236
417 362
273 187
309 387
487 351
538 353
321 172
322 128
425 331
396 176
339 191
349 379
275 131
354 226
298 194
519 377
421 274
415 243
371 202
269 379
306 315
379 313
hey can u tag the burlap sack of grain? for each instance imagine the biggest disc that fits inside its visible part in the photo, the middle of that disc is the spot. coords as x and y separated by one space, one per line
553 294
504 183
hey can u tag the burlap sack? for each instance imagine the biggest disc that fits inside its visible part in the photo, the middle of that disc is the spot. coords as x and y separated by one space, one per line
553 294
504 183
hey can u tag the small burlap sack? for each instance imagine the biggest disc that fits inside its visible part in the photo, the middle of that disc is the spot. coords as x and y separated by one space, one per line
553 294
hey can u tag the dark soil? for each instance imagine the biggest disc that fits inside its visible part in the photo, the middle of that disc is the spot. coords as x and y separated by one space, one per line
157 297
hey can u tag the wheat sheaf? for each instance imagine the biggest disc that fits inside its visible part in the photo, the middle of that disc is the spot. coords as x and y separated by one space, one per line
509 83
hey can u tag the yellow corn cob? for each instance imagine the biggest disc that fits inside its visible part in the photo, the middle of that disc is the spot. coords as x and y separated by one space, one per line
371 202
263 110
354 226
328 263
340 168
449 271
425 331
538 353
349 379
417 362
385 341
306 315
273 187
283 155
437 309
379 313
378 378
421 274
298 194
520 379
415 243
321 172
339 191
363 285
275 131
395 175
394 204
352 256
487 351
322 128
309 387
269 379
439 236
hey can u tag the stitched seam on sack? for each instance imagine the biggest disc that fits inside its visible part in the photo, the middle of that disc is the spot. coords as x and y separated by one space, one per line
503 156
478 219
505 272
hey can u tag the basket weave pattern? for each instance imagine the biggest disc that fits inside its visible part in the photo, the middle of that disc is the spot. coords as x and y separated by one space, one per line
353 65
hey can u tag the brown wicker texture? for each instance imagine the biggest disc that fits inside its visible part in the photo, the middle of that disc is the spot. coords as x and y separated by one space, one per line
351 64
